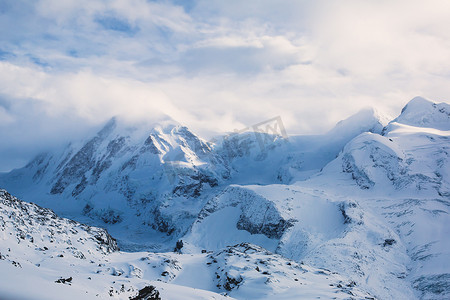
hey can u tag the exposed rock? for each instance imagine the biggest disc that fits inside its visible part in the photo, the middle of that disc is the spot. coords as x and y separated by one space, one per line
64 280
148 292
29 221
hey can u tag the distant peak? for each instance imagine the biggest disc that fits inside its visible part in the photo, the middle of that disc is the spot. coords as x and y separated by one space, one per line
421 112
108 127
168 127
417 102
367 119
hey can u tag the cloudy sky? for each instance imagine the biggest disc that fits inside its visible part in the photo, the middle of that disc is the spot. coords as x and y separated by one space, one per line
67 66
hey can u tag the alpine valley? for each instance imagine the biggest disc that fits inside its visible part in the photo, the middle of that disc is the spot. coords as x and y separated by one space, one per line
360 212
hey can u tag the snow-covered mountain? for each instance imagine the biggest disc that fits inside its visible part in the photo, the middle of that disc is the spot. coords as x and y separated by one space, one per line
58 258
125 175
368 203
132 178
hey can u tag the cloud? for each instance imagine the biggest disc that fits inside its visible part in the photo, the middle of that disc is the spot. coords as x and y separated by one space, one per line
68 66
380 37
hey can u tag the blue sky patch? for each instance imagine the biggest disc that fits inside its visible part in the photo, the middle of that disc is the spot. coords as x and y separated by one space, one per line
5 55
116 24
38 61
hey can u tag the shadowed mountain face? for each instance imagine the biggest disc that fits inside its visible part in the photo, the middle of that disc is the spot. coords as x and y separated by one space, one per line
369 199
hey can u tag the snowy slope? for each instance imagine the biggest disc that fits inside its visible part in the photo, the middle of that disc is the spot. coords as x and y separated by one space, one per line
402 179
306 224
378 213
53 256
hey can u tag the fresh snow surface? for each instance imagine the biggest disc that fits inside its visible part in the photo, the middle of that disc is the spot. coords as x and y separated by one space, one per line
360 212
38 249
420 112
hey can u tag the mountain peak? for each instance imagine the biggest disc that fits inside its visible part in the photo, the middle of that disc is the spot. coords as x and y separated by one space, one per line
421 112
368 119
417 101
108 127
